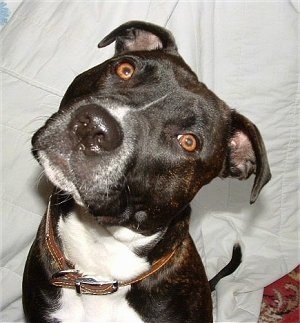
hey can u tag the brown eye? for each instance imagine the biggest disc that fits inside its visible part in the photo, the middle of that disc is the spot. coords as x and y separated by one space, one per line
188 142
125 71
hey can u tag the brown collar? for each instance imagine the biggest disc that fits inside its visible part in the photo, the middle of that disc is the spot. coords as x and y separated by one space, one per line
69 277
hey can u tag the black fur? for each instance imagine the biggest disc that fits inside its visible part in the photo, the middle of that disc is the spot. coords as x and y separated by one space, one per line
135 172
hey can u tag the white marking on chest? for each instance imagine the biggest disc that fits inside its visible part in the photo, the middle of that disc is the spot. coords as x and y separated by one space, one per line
106 254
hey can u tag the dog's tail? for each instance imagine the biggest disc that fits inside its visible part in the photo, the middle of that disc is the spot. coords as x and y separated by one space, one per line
235 261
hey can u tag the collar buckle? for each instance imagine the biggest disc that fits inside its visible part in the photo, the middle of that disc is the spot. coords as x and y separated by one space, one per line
88 284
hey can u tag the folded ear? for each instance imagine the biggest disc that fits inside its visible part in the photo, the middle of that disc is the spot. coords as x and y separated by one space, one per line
246 154
139 35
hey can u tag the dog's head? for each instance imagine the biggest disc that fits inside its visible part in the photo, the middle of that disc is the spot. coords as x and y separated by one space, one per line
136 137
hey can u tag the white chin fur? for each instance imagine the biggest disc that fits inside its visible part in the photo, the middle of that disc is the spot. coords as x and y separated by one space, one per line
58 179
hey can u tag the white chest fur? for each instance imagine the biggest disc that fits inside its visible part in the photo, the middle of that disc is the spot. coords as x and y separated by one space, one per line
104 253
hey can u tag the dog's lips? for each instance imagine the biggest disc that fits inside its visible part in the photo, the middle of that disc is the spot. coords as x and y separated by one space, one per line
57 174
95 193
116 207
129 215
109 220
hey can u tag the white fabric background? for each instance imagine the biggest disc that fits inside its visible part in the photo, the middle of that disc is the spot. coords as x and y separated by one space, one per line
247 52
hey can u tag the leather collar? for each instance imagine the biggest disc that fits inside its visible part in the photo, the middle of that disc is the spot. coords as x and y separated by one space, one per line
69 277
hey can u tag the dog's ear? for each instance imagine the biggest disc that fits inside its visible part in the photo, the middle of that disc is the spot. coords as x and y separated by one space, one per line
246 154
139 35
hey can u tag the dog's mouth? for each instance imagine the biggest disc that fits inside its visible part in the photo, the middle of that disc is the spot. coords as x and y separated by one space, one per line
118 205
109 201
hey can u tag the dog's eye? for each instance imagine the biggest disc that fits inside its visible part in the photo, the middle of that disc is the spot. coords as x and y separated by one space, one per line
188 142
125 71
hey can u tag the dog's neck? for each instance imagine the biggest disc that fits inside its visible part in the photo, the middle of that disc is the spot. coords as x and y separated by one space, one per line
105 252
110 252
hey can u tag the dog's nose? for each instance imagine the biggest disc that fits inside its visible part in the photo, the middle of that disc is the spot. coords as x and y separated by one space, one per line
95 130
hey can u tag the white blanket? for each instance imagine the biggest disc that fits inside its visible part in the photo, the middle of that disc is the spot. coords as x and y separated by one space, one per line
246 52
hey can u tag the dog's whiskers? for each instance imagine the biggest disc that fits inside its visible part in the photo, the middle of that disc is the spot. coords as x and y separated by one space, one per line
41 176
67 197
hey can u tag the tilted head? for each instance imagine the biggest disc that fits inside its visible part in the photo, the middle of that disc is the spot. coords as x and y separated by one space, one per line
136 137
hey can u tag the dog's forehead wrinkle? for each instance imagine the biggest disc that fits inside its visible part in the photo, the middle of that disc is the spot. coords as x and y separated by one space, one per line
147 105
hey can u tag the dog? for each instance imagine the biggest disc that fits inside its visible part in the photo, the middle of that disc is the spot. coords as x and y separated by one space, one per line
133 141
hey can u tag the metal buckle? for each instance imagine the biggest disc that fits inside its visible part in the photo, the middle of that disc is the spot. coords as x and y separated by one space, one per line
108 287
114 285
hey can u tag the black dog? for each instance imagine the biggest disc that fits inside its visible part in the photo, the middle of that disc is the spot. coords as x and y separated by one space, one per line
134 140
